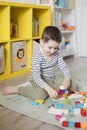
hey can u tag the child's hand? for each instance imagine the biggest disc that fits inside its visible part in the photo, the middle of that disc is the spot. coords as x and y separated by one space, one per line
66 83
51 92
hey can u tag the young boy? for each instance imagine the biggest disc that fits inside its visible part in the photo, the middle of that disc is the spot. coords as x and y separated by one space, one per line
43 69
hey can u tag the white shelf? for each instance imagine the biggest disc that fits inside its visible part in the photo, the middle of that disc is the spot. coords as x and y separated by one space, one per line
63 32
63 8
65 15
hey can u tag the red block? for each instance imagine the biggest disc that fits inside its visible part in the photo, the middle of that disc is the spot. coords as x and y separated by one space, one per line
77 102
77 125
83 112
65 124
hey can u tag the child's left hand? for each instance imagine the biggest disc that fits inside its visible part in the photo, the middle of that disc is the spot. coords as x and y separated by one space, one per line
66 83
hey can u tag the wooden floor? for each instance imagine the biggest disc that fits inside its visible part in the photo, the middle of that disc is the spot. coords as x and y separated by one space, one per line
10 120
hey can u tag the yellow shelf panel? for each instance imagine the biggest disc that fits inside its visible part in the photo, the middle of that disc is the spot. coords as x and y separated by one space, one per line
23 15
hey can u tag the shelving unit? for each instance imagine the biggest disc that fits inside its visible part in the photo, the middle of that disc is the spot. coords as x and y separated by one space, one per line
23 14
63 16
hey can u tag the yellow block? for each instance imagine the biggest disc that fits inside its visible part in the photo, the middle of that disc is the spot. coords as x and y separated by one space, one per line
84 125
40 101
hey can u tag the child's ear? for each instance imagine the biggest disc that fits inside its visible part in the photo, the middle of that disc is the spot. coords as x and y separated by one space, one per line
41 42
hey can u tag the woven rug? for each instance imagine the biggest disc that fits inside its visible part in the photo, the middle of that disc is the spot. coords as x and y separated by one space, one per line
24 106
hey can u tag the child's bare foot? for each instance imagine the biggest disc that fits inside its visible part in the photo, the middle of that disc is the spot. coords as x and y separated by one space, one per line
10 90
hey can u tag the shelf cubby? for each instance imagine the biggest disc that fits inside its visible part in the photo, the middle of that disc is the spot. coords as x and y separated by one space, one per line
23 15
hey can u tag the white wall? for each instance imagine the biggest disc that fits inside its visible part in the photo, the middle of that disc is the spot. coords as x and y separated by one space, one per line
24 1
81 25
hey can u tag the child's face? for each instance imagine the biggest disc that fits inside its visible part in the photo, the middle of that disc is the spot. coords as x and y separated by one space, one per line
50 47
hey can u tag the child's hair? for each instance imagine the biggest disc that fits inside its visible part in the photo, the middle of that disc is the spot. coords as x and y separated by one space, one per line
51 32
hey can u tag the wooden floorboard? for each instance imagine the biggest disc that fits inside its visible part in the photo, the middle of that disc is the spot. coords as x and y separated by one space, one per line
10 120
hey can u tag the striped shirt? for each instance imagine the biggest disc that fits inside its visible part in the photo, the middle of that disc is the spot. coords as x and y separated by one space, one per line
42 67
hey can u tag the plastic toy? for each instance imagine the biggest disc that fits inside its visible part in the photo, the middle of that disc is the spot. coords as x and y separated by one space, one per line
40 101
77 125
57 117
65 124
71 124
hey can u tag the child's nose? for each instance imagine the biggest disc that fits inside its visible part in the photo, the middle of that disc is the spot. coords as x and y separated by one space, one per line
52 51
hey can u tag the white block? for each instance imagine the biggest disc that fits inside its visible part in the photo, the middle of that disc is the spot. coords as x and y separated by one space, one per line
62 119
55 111
66 111
77 111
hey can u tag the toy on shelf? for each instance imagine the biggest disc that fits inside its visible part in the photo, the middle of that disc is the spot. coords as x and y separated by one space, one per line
66 26
13 29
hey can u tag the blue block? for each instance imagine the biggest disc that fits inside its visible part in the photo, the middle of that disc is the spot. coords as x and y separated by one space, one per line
35 103
79 105
72 109
70 123
58 105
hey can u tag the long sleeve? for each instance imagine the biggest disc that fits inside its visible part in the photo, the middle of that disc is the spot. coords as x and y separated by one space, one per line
63 67
36 71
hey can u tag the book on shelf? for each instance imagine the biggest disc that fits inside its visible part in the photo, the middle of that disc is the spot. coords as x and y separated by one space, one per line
58 20
44 1
13 29
35 27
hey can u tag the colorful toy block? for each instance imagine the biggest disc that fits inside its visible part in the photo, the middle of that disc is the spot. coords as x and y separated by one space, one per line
58 105
77 125
35 103
71 124
83 124
65 124
40 101
62 119
79 105
66 101
57 117
83 112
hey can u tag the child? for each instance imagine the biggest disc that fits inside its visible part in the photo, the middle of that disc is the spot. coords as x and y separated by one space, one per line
43 68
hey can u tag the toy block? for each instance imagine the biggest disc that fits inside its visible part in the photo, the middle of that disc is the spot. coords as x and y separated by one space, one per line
65 96
57 89
83 112
85 128
83 124
61 87
66 111
62 119
55 111
66 101
82 93
62 92
85 108
77 102
84 100
60 95
58 105
40 101
73 96
65 124
85 105
35 103
72 109
71 124
77 125
79 105
57 117
77 111
66 92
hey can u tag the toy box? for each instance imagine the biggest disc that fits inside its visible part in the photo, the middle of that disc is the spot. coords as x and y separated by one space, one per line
2 59
18 55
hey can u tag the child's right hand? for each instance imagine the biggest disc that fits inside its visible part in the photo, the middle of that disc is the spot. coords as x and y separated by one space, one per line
51 92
